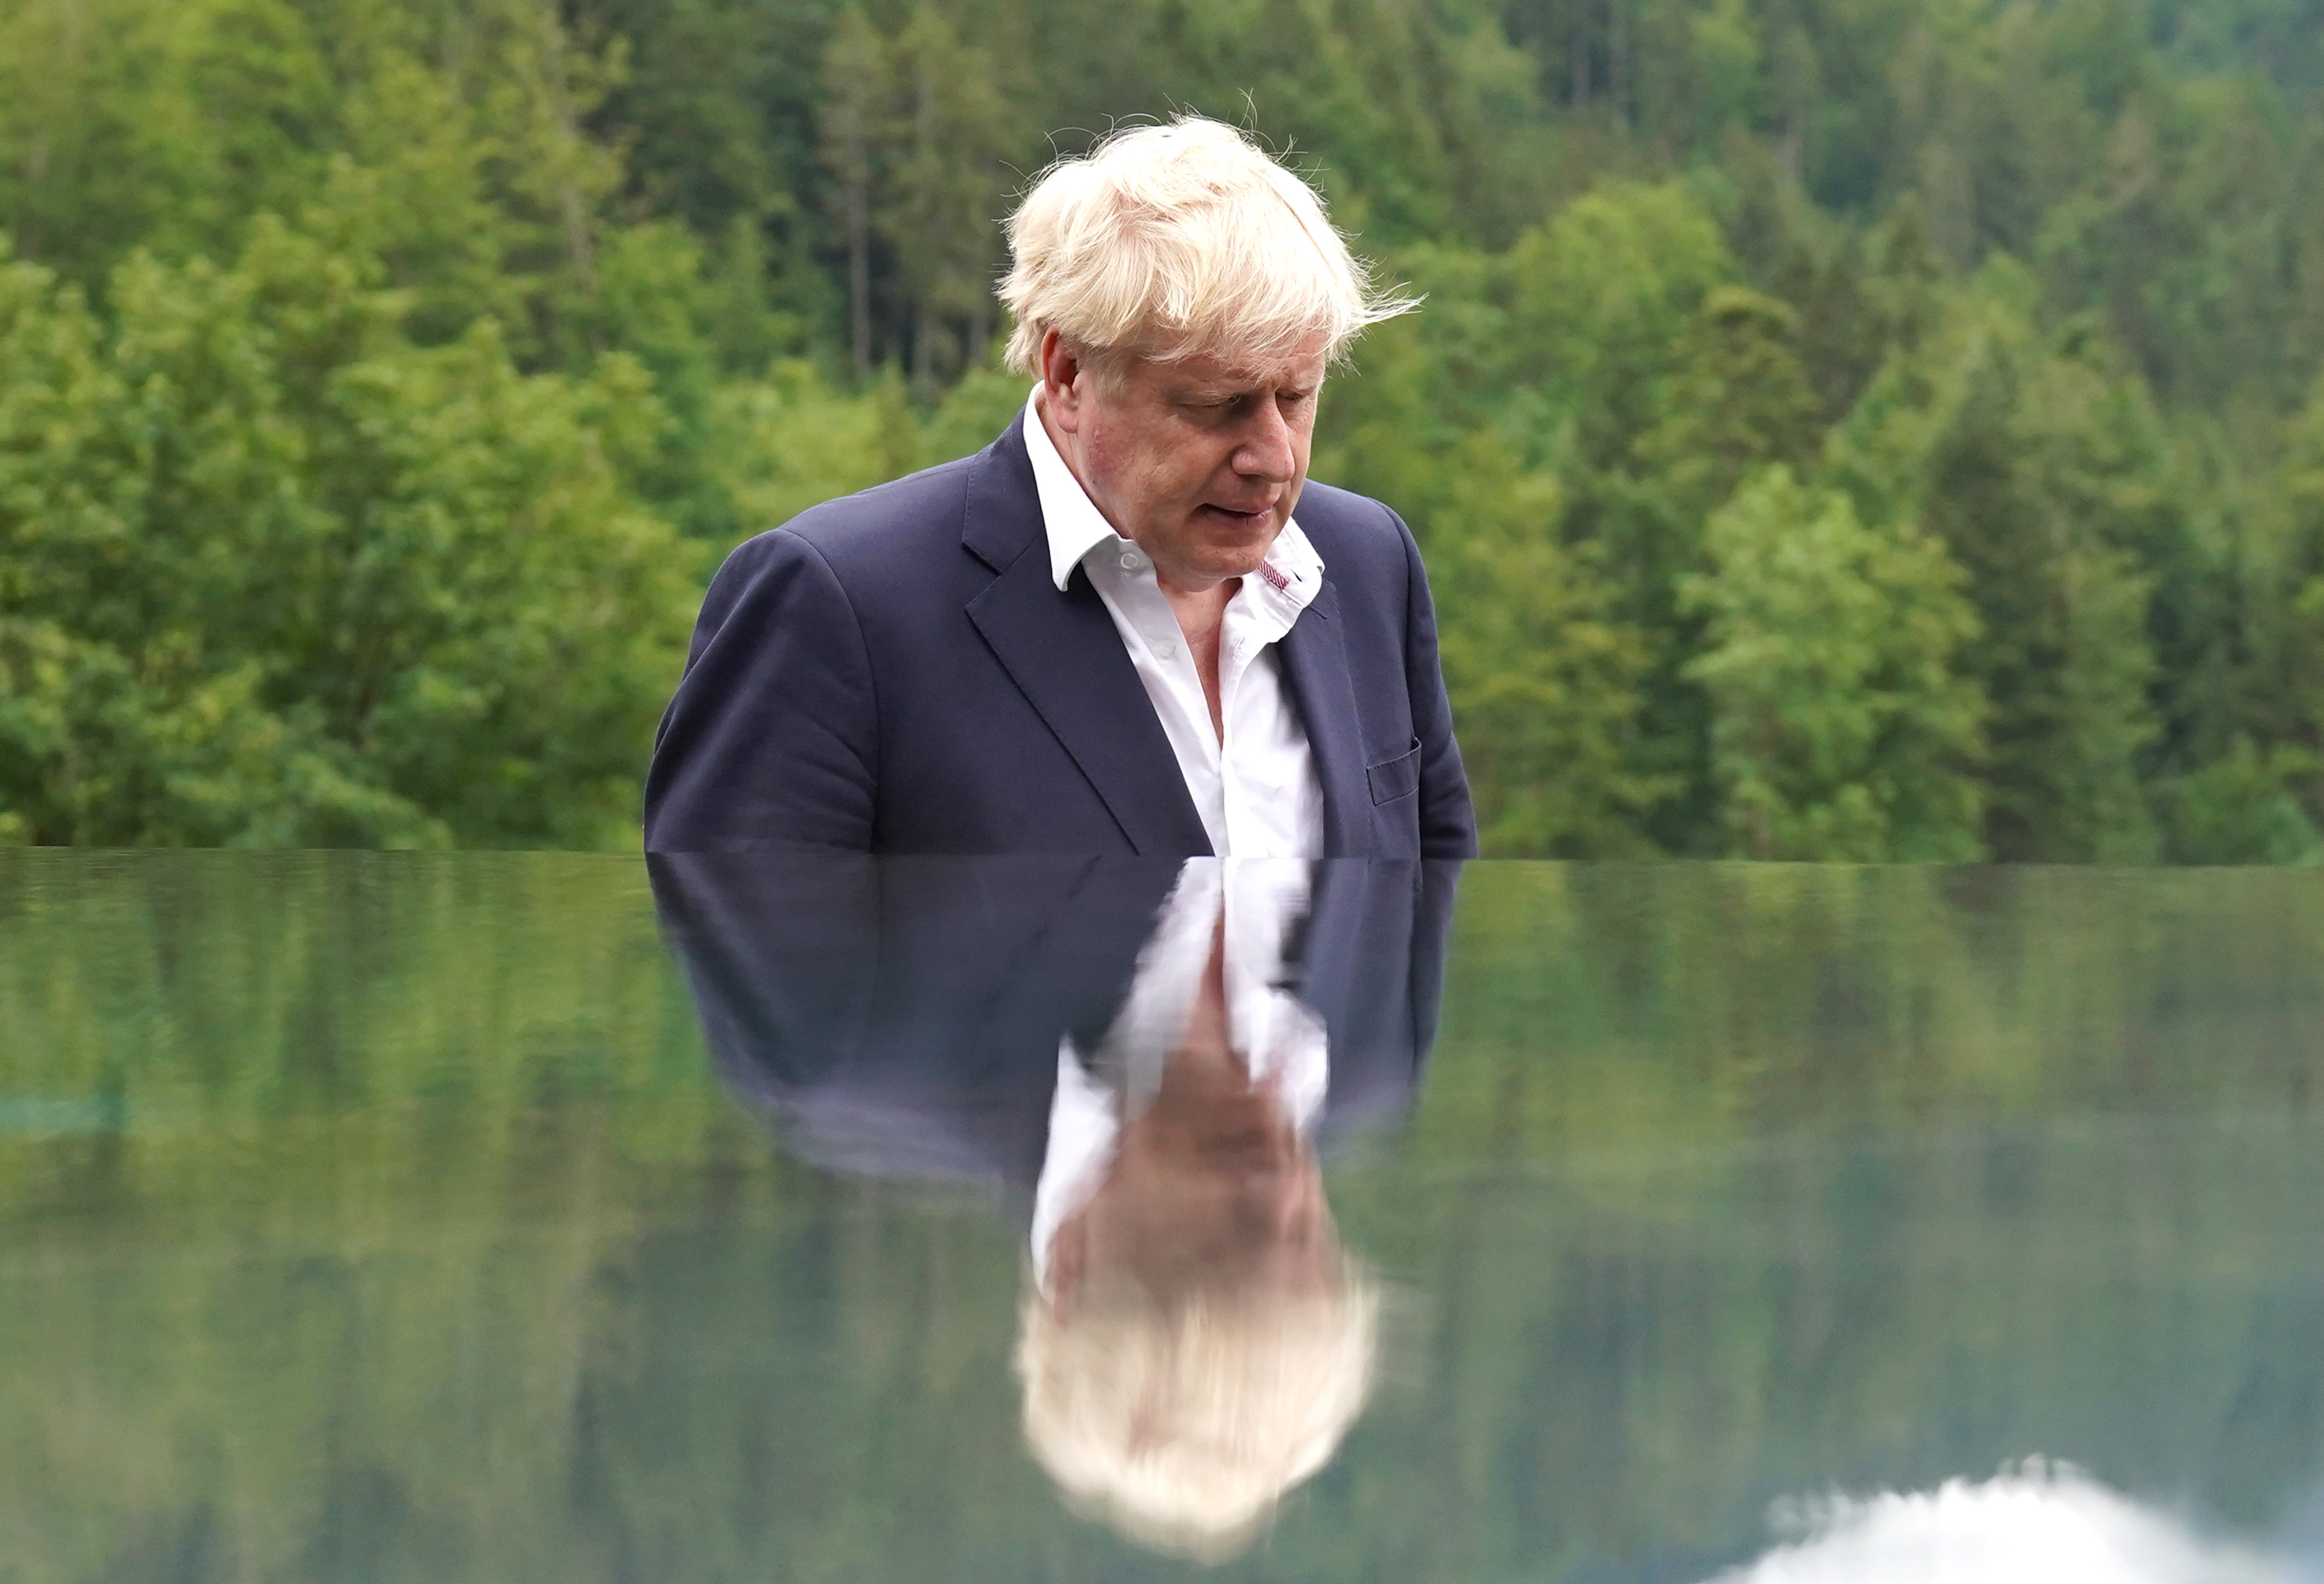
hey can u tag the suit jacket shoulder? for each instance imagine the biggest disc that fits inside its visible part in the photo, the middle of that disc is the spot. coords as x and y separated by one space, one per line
861 535
1357 522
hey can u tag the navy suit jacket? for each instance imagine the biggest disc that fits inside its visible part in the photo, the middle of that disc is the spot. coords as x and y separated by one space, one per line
897 672
900 1016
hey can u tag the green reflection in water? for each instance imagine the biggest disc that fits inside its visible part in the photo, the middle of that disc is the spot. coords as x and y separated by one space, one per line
376 1217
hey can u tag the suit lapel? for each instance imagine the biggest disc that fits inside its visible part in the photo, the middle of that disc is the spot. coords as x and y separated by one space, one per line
1316 665
1064 654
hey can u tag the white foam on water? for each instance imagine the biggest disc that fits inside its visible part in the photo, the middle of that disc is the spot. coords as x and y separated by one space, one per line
2032 1524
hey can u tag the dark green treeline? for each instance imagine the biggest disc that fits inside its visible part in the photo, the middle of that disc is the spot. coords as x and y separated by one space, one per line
1870 431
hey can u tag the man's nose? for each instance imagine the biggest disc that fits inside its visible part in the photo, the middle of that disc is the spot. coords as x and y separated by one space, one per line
1267 450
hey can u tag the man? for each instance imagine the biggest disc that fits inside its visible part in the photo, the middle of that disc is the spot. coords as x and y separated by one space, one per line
1195 1341
1139 1057
1105 632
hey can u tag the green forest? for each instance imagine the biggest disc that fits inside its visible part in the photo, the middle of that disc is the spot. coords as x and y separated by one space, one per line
1851 430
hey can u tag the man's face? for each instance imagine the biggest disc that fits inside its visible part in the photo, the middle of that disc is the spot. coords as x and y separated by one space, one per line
1199 461
1212 1188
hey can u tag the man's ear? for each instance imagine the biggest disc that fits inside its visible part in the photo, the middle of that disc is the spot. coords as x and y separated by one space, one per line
1063 377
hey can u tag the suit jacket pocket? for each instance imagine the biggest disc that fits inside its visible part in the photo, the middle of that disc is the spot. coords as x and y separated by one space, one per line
1396 778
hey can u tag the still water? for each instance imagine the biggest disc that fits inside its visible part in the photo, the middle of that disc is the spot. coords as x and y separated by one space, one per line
490 1218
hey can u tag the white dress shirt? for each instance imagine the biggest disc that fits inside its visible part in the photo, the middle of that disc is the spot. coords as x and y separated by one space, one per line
1256 791
1278 1036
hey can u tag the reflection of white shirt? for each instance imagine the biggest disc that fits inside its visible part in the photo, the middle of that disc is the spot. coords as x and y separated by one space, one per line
1257 791
1280 1037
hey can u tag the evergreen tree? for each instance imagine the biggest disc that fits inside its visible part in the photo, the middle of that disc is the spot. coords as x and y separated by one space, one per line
945 193
854 129
1840 728
1542 672
1964 433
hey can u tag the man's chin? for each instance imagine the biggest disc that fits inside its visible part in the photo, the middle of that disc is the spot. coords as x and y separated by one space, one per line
1234 548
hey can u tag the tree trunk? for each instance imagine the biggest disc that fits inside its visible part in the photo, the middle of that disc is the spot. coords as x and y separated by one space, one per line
979 330
1579 42
571 201
924 349
1617 58
858 271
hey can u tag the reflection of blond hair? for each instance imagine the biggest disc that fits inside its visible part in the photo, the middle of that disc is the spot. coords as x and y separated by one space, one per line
1182 1425
1178 240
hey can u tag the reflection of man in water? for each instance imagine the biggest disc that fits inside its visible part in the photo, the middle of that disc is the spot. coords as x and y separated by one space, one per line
1197 1342
1138 1057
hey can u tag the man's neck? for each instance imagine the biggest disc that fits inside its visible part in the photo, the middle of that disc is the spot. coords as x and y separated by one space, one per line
1201 614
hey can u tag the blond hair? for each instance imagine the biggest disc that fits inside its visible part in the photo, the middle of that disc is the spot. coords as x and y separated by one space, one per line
1178 240
1183 1424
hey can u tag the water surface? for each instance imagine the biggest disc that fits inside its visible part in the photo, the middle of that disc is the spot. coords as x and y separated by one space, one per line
388 1218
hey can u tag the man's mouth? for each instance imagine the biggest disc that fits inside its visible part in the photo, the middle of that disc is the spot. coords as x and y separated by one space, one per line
1251 519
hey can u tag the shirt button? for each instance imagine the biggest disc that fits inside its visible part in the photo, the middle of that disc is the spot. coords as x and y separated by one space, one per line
1131 560
1167 650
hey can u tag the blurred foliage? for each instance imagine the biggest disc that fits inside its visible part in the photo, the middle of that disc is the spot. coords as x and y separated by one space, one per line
2037 289
283 578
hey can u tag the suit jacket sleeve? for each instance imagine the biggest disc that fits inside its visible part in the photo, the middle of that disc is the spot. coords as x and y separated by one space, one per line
772 737
1448 825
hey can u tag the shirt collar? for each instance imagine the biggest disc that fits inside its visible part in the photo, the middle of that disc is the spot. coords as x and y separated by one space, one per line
1074 524
1291 573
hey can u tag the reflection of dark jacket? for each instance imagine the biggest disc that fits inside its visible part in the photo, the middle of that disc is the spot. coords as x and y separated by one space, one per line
897 672
901 1016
